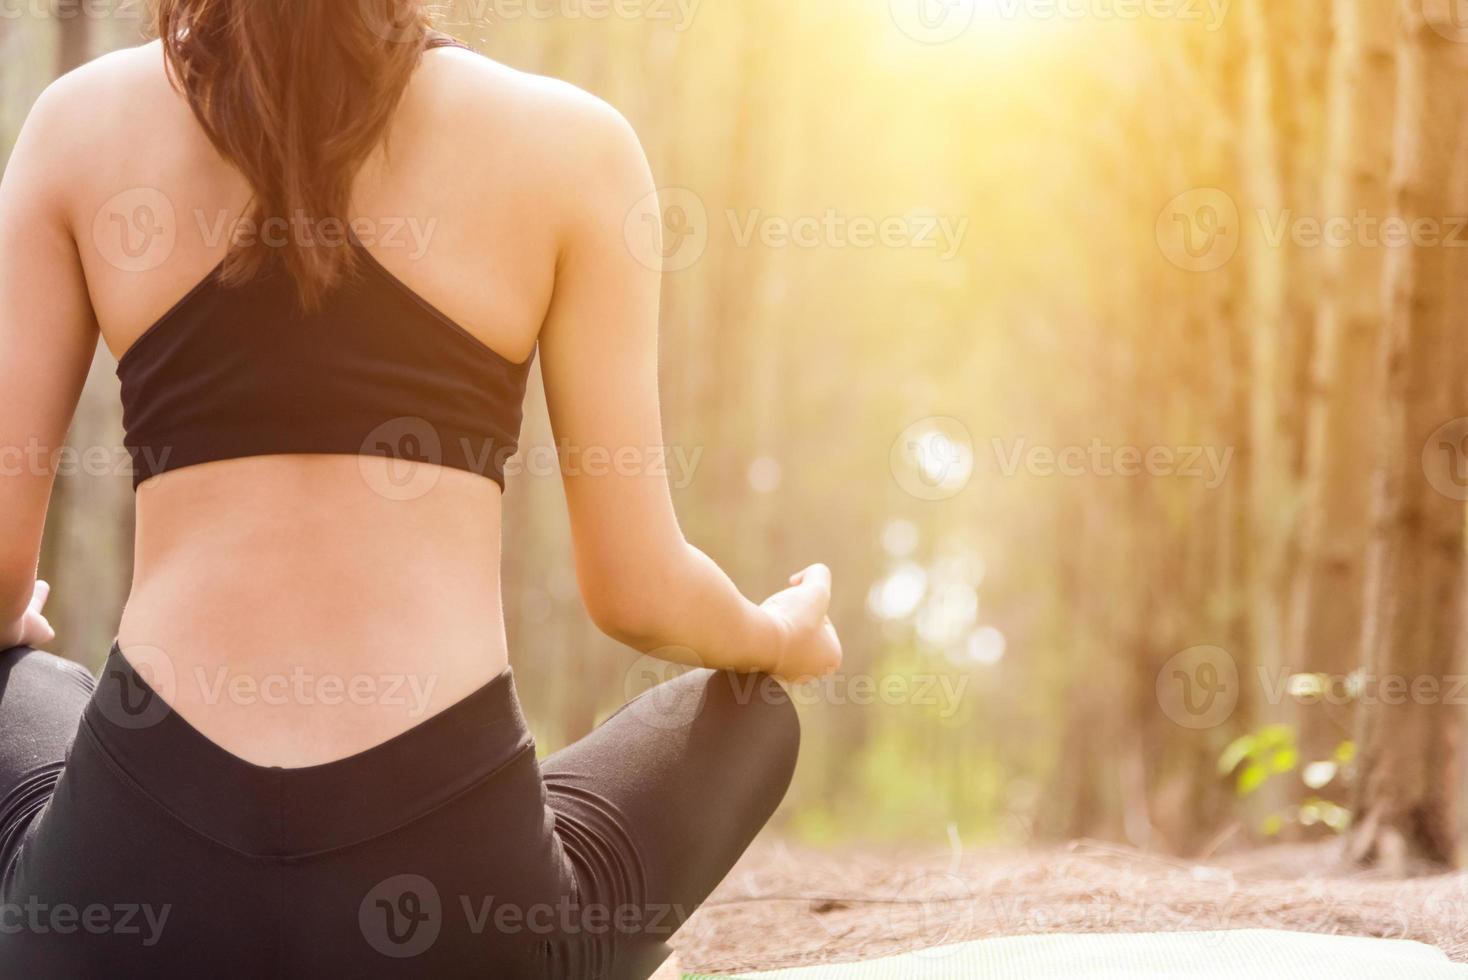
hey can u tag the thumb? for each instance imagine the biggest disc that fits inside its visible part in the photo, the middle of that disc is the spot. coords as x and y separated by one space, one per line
817 577
39 597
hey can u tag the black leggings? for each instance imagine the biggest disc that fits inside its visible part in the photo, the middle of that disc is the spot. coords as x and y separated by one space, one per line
132 846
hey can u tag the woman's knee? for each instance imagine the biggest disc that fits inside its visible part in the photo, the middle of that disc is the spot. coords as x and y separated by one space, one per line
42 698
715 723
755 713
33 670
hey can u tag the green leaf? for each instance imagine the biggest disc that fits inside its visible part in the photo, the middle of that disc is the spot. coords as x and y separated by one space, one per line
1275 736
1238 750
1251 778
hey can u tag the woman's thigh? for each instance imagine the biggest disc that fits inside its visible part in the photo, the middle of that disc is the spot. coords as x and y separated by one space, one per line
657 804
41 703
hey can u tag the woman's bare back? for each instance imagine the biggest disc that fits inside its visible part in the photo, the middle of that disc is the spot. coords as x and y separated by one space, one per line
263 585
519 208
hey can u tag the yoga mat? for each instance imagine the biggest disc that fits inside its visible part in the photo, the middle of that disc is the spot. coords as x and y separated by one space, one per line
1247 953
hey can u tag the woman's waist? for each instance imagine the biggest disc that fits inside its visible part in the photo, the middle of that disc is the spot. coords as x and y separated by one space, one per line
266 810
303 616
285 666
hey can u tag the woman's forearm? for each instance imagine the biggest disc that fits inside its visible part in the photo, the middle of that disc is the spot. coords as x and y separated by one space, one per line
694 614
14 602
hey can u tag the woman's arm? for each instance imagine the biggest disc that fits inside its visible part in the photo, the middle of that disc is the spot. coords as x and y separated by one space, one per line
643 583
47 338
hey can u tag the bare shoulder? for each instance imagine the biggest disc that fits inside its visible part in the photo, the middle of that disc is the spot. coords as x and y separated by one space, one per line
561 139
84 121
102 96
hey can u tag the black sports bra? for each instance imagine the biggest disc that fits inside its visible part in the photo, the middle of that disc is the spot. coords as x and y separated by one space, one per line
376 370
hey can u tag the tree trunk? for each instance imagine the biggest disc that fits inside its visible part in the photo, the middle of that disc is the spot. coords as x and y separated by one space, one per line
1269 369
74 44
1326 606
1407 783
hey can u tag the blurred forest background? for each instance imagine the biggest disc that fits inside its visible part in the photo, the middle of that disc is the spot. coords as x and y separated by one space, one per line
1111 353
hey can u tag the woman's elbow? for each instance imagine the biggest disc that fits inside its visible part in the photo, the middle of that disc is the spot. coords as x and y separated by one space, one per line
15 596
630 611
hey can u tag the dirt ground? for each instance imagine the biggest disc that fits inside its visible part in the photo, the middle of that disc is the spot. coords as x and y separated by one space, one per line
787 906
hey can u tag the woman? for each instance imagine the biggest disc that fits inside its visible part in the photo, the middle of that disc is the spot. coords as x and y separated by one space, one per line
325 244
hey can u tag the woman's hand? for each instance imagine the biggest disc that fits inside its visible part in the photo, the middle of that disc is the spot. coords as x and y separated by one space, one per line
809 645
33 630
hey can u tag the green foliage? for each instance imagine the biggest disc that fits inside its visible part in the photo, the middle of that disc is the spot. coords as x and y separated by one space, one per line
1253 759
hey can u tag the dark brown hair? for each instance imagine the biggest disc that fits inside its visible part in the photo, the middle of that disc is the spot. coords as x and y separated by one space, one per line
296 94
